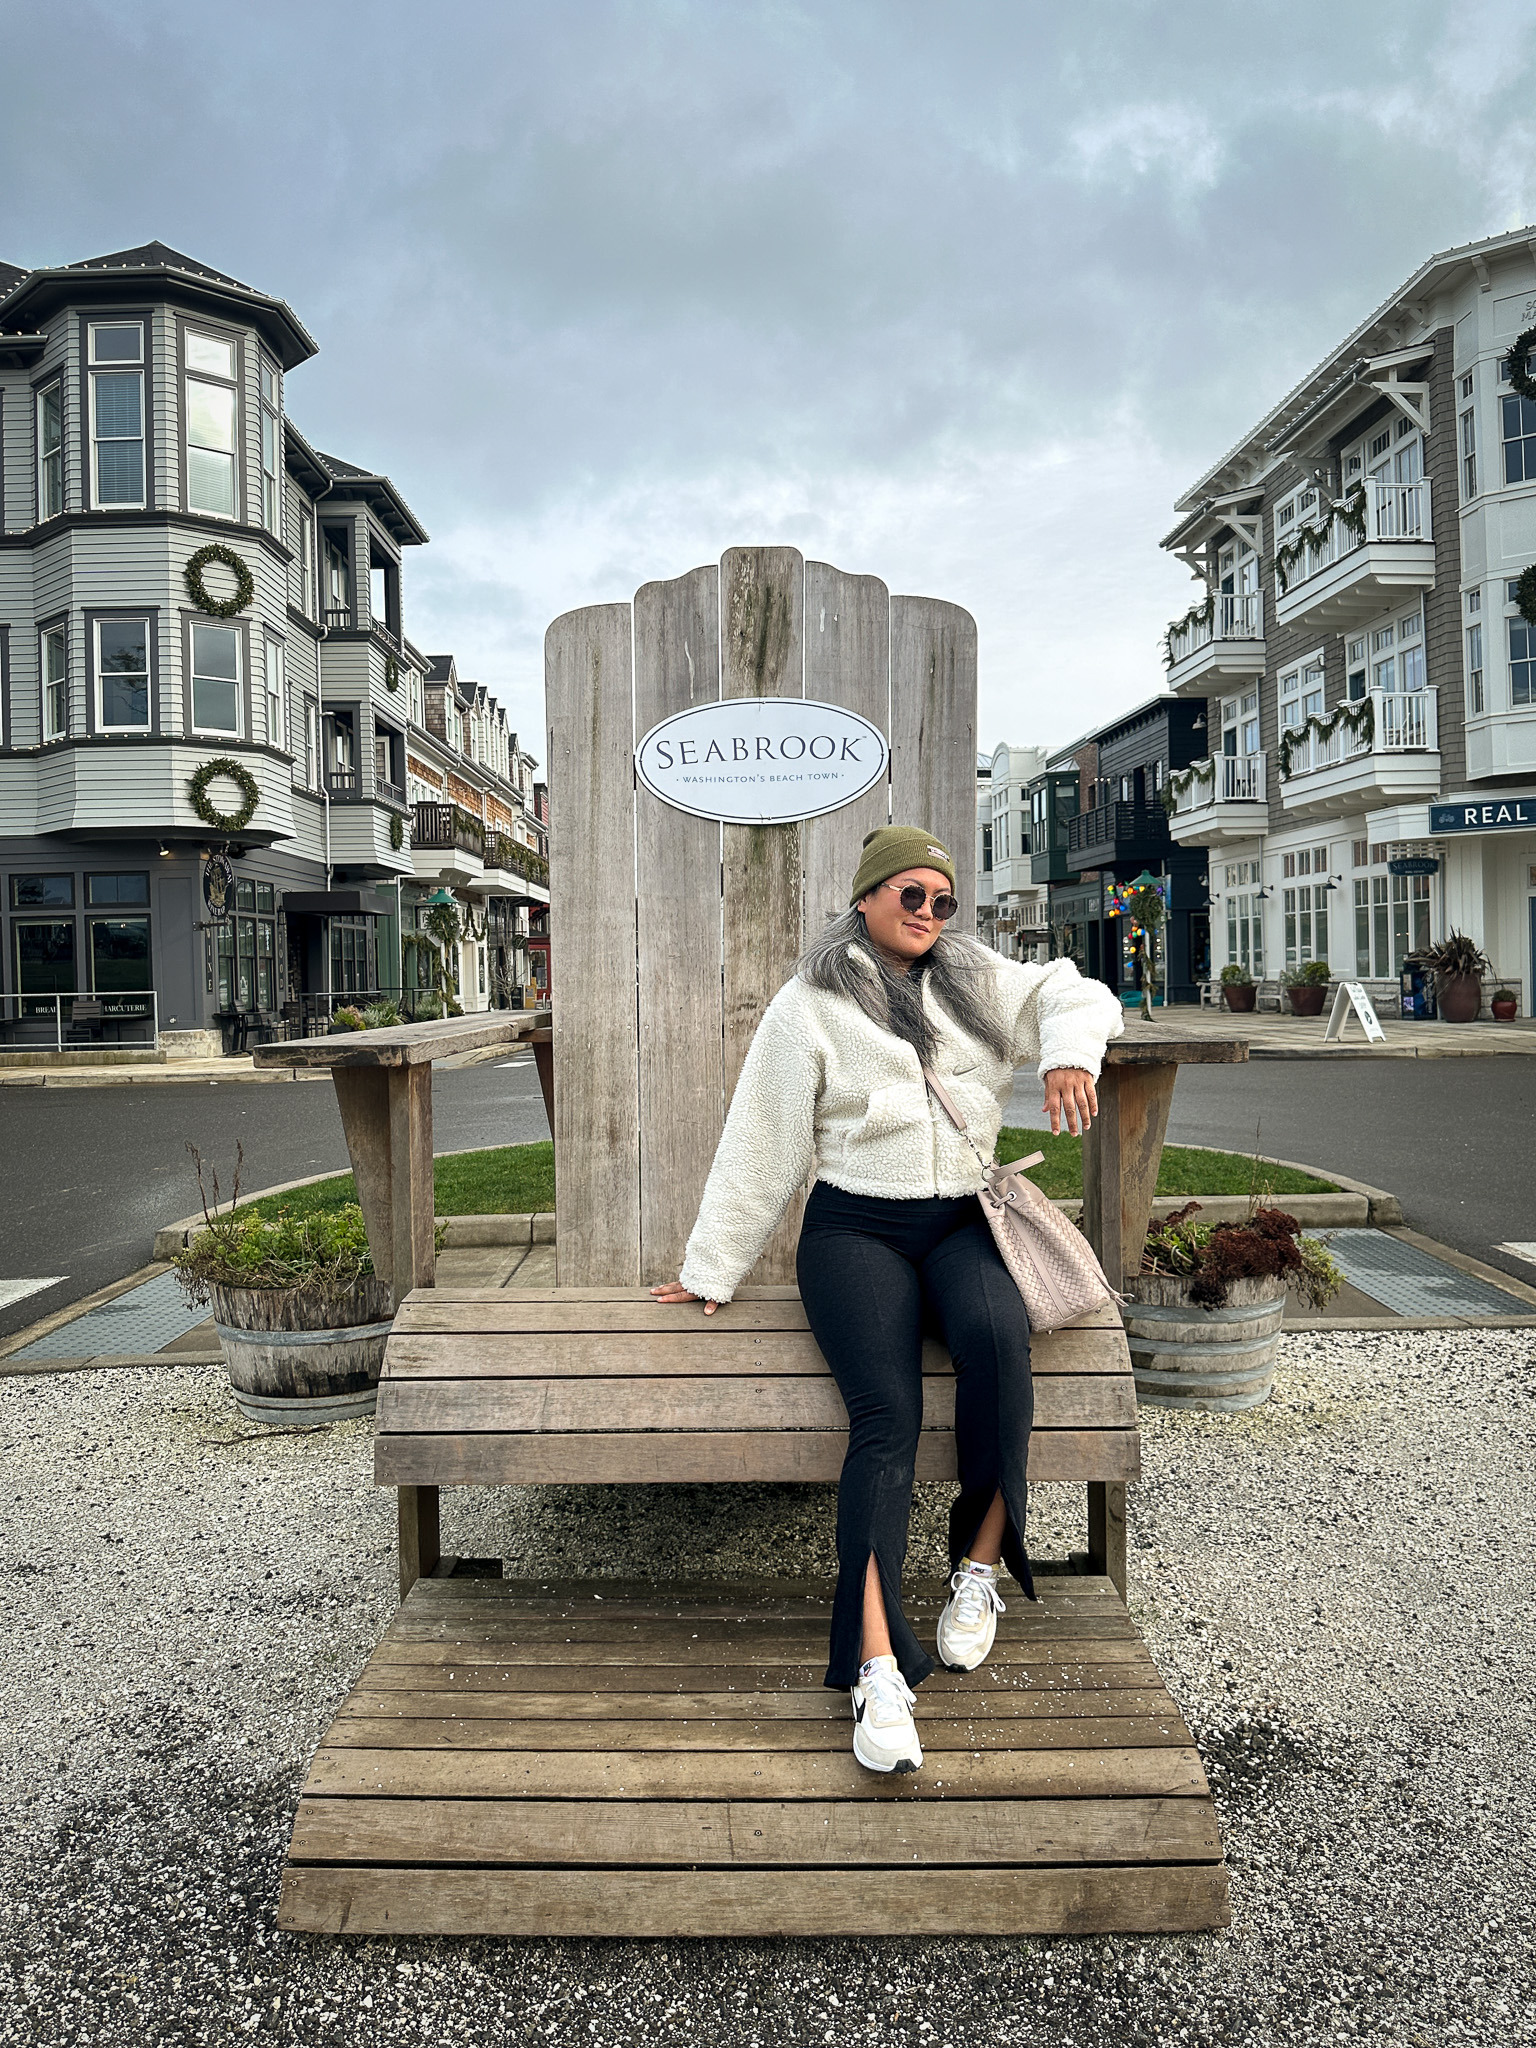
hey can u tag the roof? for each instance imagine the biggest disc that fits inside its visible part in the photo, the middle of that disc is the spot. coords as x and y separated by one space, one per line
381 497
440 668
31 295
302 461
1432 275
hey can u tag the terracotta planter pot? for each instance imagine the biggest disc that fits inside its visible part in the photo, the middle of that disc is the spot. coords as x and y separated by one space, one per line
1307 1000
1460 997
1237 997
1507 1011
296 1358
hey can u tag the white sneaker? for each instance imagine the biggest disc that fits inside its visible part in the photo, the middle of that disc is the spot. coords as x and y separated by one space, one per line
968 1625
884 1733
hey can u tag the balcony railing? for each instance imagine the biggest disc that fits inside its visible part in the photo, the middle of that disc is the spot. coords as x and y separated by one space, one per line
341 781
445 828
1235 615
338 618
1383 512
1117 831
1229 779
391 792
1389 722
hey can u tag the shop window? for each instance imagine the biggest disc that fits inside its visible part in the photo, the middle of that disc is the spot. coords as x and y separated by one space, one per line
101 891
42 892
1306 924
1391 921
349 955
247 977
45 957
120 955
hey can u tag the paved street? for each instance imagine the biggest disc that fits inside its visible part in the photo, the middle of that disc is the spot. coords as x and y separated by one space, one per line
91 1173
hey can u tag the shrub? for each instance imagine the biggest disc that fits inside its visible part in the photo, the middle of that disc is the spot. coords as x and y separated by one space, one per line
1236 976
1310 974
348 1018
1456 956
321 1253
379 1016
1212 1255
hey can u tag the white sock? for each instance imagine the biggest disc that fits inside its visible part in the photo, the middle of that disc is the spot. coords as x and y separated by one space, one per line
969 1564
874 1664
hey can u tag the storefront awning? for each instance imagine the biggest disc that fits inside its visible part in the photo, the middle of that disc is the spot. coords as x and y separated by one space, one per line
336 903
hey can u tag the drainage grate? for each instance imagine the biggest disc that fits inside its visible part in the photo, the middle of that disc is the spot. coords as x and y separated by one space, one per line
1411 1282
143 1320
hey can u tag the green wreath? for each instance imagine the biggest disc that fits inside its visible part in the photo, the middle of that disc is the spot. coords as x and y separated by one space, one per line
1525 594
197 590
244 781
391 673
1520 378
397 831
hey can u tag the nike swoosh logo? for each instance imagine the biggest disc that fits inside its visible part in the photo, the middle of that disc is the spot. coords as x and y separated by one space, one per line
858 1709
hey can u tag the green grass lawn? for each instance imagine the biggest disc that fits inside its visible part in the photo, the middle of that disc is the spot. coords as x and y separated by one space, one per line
510 1180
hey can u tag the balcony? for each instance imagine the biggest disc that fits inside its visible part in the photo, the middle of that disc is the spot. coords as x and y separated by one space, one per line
446 840
512 869
1206 654
1393 758
338 618
1221 800
1116 832
389 792
1348 571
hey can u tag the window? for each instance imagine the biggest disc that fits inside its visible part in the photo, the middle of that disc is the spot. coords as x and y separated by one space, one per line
117 415
215 679
1522 662
1356 669
248 950
107 891
120 955
1466 387
53 667
1306 923
1474 668
414 693
311 744
271 470
307 562
349 955
45 958
210 423
1360 852
277 696
42 892
1301 693
122 675
1518 416
1391 921
50 451
1468 456
986 849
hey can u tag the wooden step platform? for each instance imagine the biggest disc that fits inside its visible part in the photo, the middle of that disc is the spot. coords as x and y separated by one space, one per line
602 1758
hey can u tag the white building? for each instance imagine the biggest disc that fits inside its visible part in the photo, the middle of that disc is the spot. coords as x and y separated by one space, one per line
1011 914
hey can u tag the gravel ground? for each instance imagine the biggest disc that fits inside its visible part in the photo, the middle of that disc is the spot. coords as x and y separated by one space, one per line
1337 1589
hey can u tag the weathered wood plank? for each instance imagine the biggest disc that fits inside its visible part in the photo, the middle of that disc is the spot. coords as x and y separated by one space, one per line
595 1666
847 662
682 1102
403 1045
762 599
483 1311
694 1351
589 698
933 732
1167 1773
461 1731
1169 1044
709 1456
1160 1900
743 1401
716 1710
1120 1159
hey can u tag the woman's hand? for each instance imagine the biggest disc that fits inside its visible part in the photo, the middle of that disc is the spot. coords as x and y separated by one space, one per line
674 1290
1069 1095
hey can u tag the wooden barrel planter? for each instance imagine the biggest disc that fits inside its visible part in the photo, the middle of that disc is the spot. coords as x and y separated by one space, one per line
1217 1360
302 1358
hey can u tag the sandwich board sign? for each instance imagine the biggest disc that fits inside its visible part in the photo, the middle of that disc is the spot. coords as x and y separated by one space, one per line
1351 995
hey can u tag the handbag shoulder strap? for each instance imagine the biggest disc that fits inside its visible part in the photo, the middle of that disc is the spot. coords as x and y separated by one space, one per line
989 1167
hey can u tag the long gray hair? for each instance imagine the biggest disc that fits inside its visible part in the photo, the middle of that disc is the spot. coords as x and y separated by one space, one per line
844 963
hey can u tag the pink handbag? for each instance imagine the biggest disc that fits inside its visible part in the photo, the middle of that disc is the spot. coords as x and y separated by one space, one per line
1048 1258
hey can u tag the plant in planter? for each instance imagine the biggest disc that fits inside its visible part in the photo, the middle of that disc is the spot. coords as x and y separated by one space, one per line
302 1317
348 1018
1221 1285
1306 986
380 1016
1459 965
1237 990
1505 1004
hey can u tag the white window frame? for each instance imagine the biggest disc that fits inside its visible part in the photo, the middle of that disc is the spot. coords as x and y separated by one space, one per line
116 619
311 777
120 368
271 409
277 695
1297 686
189 377
1468 451
222 732
53 728
307 561
53 389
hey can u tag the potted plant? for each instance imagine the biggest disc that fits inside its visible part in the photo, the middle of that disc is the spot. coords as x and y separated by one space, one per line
1205 1313
302 1317
1505 1004
1237 990
1306 987
1459 966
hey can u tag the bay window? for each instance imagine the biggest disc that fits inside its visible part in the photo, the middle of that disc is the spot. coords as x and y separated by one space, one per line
209 386
116 400
215 679
50 451
122 675
53 666
277 695
271 469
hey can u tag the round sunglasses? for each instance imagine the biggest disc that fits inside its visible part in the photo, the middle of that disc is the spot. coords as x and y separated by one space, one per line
913 898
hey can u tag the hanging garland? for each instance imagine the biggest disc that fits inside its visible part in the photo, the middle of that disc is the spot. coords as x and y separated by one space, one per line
244 781
197 590
1197 615
1520 379
391 673
1184 779
1358 719
1525 594
397 831
469 922
1350 513
1144 907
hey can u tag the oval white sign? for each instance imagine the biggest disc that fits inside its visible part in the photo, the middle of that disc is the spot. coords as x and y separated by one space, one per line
761 760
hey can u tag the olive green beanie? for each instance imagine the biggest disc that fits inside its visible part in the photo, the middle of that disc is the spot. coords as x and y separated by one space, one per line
892 848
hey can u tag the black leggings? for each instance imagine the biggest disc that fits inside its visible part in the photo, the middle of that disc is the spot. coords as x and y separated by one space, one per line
876 1276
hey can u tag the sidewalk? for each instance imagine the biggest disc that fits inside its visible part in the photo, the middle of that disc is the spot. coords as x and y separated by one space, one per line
1273 1036
236 1067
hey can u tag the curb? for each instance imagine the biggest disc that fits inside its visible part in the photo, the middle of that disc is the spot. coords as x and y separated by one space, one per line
1384 1208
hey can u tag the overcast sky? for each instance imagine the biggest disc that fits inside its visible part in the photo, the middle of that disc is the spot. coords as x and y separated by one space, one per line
959 295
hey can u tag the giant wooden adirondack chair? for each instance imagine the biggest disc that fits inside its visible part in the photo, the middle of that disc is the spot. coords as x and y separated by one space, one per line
526 1758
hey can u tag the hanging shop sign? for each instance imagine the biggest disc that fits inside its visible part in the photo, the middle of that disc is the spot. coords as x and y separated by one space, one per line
218 885
762 760
1413 864
1488 814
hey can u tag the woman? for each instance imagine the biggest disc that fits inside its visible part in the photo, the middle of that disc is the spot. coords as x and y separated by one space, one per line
894 1239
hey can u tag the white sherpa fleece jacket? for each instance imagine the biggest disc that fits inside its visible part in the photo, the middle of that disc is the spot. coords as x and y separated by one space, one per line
826 1089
